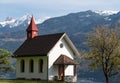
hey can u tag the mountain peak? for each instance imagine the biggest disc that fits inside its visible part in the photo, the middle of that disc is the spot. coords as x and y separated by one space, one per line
9 18
8 21
25 17
106 13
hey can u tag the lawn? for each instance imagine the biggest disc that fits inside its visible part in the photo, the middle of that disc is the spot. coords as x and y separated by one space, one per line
29 81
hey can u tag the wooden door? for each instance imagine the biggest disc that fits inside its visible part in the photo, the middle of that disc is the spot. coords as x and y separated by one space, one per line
61 72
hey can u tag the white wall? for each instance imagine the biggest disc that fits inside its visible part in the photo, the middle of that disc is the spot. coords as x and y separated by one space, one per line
69 70
54 54
36 73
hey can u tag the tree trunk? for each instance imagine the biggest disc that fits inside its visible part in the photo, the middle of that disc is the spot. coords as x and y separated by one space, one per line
107 79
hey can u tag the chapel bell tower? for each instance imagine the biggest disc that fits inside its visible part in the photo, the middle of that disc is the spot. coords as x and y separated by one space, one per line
32 30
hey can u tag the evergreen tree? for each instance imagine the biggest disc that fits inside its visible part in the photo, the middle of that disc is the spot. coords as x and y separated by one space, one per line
5 61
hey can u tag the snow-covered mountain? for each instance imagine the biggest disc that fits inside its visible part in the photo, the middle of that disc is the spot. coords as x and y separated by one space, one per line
40 20
11 22
106 12
8 21
24 20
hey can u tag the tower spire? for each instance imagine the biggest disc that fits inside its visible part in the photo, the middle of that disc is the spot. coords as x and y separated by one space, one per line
32 30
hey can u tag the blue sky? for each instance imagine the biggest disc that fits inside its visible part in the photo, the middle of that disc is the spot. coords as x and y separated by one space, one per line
53 8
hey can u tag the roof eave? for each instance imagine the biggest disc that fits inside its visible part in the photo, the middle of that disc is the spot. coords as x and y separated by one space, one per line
72 45
16 56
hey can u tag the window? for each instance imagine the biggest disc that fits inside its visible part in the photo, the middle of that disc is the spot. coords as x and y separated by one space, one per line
61 45
31 66
41 65
22 66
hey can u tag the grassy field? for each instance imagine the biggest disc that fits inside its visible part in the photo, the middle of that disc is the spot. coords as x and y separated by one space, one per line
29 81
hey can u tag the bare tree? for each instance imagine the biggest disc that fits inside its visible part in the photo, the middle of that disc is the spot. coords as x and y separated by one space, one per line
104 51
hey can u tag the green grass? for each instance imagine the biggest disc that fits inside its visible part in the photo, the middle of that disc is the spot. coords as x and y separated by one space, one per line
29 81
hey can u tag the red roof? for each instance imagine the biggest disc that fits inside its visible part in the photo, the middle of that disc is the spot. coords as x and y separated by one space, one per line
39 45
32 26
